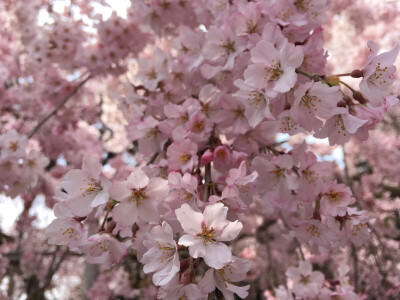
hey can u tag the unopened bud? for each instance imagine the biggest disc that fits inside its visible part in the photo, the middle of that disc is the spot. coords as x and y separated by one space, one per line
359 97
341 103
110 226
206 158
357 74
348 100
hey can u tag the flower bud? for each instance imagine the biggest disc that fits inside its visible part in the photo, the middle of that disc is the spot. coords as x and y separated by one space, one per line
357 74
206 158
359 97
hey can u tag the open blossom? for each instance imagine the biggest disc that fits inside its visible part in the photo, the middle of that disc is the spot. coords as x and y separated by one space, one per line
312 174
12 144
378 73
340 128
314 101
103 249
162 256
255 101
139 196
335 198
206 231
222 46
239 189
318 235
65 231
306 282
86 188
232 115
274 69
182 155
222 279
280 179
175 290
185 189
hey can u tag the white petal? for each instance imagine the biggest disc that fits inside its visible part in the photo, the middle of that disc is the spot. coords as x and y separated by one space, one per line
231 231
215 216
137 179
125 213
189 219
217 255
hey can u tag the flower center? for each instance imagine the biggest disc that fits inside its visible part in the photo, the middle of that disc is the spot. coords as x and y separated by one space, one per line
151 74
152 133
198 126
138 195
334 196
166 251
184 157
285 15
310 176
379 72
69 232
302 5
304 279
229 47
251 27
256 98
206 234
92 186
13 146
309 101
313 230
278 173
224 273
273 72
239 113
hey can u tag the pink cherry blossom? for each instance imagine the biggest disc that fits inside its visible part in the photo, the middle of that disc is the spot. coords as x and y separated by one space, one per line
103 249
206 232
335 198
313 100
139 196
86 188
306 282
65 231
182 155
378 73
223 278
162 257
272 68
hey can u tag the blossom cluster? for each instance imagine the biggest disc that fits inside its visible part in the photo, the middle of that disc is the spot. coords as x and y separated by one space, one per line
20 165
212 89
206 109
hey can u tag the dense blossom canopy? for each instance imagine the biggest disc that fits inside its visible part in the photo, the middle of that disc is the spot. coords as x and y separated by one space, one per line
182 147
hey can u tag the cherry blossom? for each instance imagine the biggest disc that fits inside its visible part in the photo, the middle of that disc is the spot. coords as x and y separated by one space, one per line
206 232
162 257
306 282
138 196
86 188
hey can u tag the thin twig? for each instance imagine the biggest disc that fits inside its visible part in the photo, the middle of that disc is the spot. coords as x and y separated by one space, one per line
294 238
207 181
61 104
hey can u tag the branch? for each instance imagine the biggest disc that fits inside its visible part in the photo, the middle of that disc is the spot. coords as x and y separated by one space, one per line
207 181
61 104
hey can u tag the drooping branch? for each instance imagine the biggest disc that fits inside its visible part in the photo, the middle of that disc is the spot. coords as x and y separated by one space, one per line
57 108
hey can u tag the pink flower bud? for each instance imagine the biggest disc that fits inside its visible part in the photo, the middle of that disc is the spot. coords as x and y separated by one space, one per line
206 158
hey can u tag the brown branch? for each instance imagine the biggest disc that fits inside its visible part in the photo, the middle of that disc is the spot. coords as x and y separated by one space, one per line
207 181
61 104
